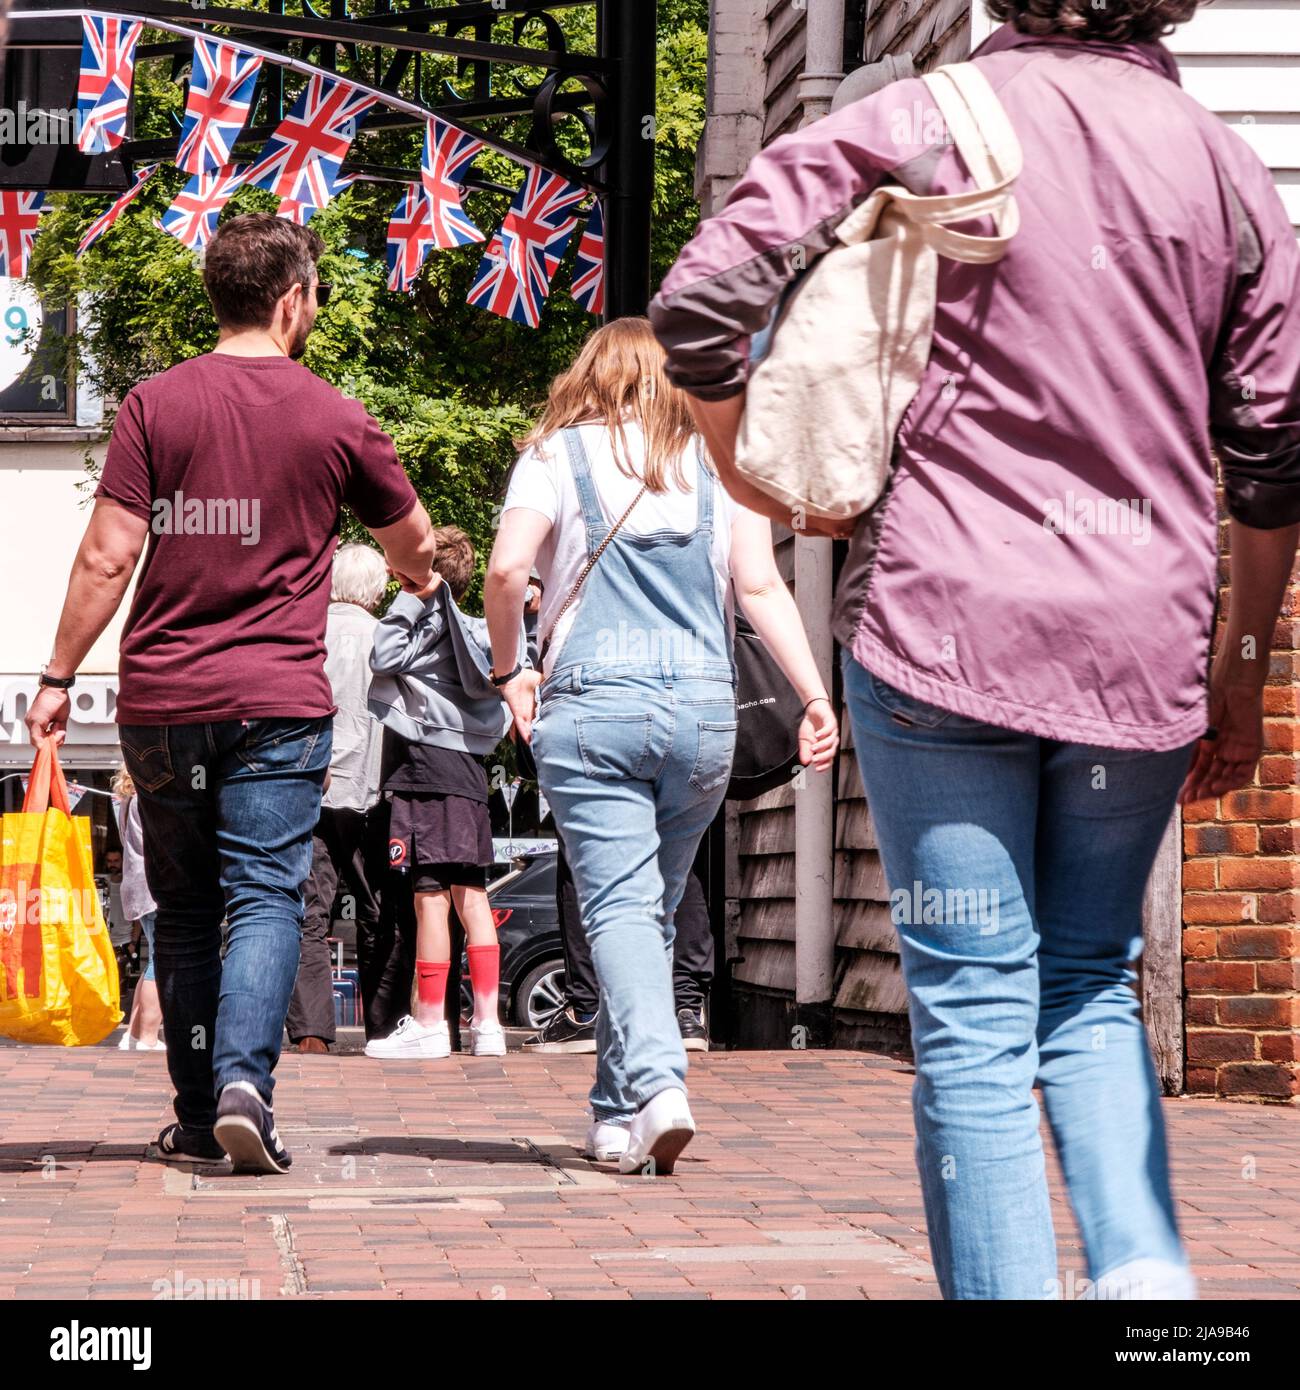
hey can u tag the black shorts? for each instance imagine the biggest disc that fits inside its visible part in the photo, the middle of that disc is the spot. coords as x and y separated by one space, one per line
435 878
428 828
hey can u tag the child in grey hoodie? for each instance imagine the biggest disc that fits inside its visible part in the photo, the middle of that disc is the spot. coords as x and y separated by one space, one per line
432 691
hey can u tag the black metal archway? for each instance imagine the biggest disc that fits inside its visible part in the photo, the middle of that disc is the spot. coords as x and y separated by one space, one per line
610 92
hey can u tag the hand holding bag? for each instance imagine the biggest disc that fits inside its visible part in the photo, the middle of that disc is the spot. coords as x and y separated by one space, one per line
852 340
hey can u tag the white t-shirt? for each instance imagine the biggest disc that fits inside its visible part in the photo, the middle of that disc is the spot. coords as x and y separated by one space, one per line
543 482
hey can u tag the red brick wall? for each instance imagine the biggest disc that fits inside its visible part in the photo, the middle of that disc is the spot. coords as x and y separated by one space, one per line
1241 907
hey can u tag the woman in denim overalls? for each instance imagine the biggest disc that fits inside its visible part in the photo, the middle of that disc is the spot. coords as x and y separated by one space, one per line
634 724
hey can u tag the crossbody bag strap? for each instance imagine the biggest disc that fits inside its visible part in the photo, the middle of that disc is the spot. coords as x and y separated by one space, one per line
587 569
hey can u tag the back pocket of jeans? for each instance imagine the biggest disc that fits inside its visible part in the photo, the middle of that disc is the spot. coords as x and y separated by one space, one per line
147 757
713 757
614 745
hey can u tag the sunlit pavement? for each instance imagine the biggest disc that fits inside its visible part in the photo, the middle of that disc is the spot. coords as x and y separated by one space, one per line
463 1179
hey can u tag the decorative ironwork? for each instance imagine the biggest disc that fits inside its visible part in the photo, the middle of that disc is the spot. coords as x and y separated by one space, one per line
601 100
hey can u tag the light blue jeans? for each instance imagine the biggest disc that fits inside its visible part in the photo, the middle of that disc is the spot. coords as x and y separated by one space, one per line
1016 867
635 768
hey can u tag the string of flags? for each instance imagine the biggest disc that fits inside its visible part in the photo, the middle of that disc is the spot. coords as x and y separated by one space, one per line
222 79
20 215
104 83
105 220
301 162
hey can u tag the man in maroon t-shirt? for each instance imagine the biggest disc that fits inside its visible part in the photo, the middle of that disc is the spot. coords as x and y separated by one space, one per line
232 468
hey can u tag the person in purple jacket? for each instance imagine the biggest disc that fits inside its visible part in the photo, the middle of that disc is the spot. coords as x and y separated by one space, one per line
1027 614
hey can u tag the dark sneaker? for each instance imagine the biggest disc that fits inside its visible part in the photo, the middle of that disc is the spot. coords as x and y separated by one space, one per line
245 1129
695 1036
176 1144
565 1031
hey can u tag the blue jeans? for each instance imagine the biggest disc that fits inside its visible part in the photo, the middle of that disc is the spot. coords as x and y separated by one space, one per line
1017 866
228 810
635 768
147 930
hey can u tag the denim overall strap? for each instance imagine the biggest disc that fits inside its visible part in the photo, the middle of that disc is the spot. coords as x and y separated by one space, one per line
593 518
652 606
704 492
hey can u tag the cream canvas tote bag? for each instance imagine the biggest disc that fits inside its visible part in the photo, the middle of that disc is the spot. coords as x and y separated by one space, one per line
852 340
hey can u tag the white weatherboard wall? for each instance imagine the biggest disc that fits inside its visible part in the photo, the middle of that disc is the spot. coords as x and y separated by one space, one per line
1241 59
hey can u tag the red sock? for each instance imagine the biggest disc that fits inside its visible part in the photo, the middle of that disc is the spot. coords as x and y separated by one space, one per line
484 978
431 989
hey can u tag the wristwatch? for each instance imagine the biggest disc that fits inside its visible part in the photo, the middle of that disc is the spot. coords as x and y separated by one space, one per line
499 681
57 682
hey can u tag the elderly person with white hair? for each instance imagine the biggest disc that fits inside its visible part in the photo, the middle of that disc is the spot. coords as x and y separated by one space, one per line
346 850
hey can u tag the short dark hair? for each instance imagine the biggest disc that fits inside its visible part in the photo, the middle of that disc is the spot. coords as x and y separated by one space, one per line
1113 21
454 558
252 261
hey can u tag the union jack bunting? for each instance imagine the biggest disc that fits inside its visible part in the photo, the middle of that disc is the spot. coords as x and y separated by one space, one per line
302 158
410 238
499 290
192 217
589 269
20 215
222 80
104 82
105 220
301 212
536 231
448 153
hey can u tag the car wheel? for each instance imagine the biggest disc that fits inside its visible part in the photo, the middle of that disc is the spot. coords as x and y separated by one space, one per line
540 994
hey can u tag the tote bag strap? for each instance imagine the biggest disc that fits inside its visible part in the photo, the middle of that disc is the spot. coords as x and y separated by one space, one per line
991 151
978 124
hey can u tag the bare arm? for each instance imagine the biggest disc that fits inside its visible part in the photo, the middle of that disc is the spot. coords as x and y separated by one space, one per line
513 554
408 548
1260 564
101 574
770 607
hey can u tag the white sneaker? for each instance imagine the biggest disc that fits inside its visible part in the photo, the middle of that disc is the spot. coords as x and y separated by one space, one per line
606 1142
413 1039
659 1131
487 1039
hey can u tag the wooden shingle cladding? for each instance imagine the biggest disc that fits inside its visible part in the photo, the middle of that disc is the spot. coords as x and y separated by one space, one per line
764 889
783 62
870 1002
932 31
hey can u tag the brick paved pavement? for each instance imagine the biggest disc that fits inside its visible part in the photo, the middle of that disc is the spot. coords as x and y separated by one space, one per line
463 1179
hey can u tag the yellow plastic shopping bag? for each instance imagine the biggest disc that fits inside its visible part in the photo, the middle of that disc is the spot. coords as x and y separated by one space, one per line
58 974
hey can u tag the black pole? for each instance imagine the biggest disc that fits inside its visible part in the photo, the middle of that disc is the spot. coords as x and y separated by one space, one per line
627 32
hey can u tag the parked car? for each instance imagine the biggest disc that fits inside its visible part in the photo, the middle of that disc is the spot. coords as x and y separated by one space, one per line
528 931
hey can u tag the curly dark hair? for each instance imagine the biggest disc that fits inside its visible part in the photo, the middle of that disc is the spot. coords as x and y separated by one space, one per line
1112 21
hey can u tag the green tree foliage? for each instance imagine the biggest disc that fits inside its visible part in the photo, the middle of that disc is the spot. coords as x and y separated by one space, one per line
452 384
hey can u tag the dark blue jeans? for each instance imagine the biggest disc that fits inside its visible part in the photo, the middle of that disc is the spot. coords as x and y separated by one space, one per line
228 810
